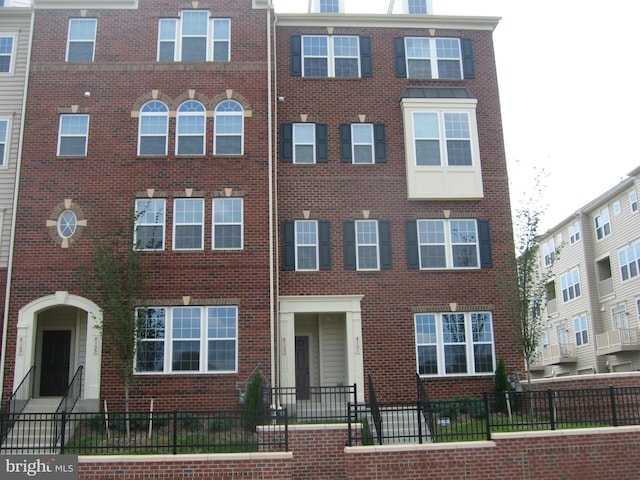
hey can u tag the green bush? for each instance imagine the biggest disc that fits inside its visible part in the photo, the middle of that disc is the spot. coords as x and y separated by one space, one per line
189 421
501 386
220 424
254 409
448 408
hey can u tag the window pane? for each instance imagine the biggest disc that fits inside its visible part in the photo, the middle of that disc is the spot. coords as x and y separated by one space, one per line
222 335
228 236
455 358
153 146
419 68
186 350
72 146
221 52
453 328
67 223
367 258
195 23
316 67
189 220
459 152
362 154
483 358
228 145
433 257
449 69
188 237
167 52
427 360
186 356
194 49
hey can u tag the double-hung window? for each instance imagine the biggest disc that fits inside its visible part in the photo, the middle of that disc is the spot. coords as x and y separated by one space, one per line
581 330
6 54
194 37
454 343
442 138
73 135
448 244
227 223
306 245
363 143
630 261
367 245
433 57
341 56
570 282
188 224
549 252
148 233
603 224
417 7
187 340
190 128
574 233
304 143
4 141
633 201
81 39
153 129
229 129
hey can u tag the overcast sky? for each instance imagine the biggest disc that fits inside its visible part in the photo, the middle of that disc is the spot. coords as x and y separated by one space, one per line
568 87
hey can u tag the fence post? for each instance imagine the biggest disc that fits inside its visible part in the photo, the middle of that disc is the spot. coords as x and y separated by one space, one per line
62 431
286 429
175 432
419 414
612 396
349 441
487 419
552 418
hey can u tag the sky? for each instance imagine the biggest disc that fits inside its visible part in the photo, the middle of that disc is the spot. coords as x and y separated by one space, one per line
568 91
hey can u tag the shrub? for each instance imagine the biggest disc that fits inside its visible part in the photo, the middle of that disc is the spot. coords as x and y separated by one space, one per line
189 421
254 404
501 386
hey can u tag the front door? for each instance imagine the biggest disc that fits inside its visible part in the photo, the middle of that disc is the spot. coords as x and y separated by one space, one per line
302 368
54 373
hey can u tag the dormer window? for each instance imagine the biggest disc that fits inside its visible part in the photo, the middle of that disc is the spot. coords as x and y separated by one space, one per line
327 6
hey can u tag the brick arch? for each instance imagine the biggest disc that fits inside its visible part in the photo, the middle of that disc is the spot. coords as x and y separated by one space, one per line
183 97
222 96
162 97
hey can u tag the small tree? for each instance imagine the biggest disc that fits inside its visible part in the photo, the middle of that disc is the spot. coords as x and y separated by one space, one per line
526 302
118 281
501 385
254 403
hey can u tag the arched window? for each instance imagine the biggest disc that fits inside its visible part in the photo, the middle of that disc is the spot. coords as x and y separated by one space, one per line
191 128
153 129
229 129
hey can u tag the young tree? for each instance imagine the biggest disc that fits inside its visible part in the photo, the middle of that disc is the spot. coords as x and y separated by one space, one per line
526 303
117 280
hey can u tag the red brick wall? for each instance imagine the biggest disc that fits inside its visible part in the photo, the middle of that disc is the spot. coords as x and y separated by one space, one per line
338 192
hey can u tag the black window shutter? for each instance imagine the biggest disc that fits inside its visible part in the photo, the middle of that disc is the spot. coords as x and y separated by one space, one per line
366 66
484 237
289 244
324 240
349 245
380 140
322 144
296 56
468 64
401 65
384 230
345 143
411 232
286 142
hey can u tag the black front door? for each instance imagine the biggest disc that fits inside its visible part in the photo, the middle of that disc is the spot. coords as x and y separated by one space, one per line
54 373
302 368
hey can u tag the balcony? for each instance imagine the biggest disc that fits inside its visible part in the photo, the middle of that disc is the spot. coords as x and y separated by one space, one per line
619 340
552 306
558 354
605 287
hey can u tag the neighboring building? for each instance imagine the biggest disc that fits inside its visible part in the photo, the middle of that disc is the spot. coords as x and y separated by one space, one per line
592 315
338 212
15 38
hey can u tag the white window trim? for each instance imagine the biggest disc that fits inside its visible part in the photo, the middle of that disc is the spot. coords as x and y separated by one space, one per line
469 343
449 244
214 224
139 223
166 132
85 136
444 181
433 57
295 143
218 114
204 344
316 245
93 41
4 159
331 55
12 55
176 224
210 41
376 245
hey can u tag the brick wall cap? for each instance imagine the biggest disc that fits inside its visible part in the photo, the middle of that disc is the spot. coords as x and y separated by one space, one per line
208 457
566 432
418 447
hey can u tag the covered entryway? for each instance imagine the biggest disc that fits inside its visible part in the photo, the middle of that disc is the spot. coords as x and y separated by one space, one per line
320 343
57 334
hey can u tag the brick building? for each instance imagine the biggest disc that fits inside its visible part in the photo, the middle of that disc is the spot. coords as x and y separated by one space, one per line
319 197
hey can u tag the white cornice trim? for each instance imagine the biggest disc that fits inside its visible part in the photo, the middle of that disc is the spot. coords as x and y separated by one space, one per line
387 21
85 4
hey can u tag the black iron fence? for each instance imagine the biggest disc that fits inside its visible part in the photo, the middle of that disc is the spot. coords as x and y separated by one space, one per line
315 404
149 433
477 418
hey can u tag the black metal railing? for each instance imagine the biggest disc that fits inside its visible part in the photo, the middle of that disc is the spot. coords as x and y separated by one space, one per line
150 433
23 393
315 404
66 405
477 418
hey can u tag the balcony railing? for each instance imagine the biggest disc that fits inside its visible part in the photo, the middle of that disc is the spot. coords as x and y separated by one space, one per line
618 340
558 353
605 287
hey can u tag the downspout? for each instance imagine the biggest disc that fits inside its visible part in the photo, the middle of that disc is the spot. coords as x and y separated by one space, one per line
16 188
